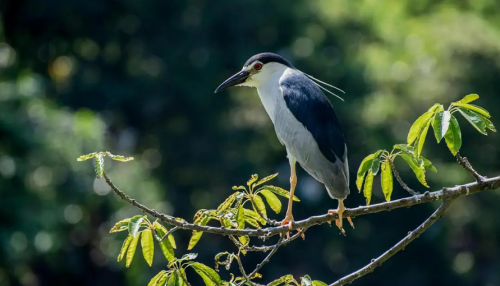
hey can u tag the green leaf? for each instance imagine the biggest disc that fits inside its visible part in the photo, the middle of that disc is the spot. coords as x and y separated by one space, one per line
244 240
86 157
156 278
488 123
288 279
469 98
195 237
119 157
252 222
124 248
475 119
272 200
174 279
188 256
165 245
453 137
417 126
279 191
376 162
417 168
319 283
306 281
265 179
441 124
428 164
235 188
252 180
421 138
209 276
183 277
363 167
253 215
405 148
163 279
226 204
120 226
131 250
258 204
99 165
134 224
387 181
240 218
474 108
367 190
148 246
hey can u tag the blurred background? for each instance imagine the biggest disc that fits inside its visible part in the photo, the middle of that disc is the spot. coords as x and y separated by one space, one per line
137 78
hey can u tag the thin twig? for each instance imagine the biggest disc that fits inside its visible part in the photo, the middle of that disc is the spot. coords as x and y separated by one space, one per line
160 239
268 257
400 181
242 270
270 247
467 166
412 235
462 190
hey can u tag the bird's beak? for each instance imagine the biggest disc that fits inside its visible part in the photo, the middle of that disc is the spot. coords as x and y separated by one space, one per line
236 79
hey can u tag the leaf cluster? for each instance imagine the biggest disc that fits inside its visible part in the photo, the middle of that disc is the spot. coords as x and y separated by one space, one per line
445 126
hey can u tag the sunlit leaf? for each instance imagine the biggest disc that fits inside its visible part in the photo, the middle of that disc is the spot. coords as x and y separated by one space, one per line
124 248
421 138
386 180
188 256
265 179
148 246
131 250
405 148
474 108
469 98
244 239
162 281
258 204
209 276
488 123
183 277
453 137
319 283
474 119
363 167
416 167
280 191
119 157
252 179
157 277
272 200
195 237
376 162
226 204
120 226
240 218
218 261
306 281
99 165
135 223
252 222
428 164
235 188
253 215
174 279
417 126
86 157
166 245
284 279
367 190
441 124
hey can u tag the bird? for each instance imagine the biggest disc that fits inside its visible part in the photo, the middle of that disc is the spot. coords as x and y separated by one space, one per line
305 122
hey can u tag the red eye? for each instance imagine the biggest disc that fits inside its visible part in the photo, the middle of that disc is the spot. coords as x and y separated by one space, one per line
257 66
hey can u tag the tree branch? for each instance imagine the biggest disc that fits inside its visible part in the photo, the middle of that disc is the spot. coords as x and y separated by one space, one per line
467 189
467 166
448 198
400 181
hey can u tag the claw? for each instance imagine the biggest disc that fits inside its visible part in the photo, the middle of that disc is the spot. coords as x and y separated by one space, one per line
338 222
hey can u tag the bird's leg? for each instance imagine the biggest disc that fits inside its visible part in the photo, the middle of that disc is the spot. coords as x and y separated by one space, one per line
293 182
340 211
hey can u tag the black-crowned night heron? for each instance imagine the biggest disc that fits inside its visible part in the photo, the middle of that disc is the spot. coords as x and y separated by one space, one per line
304 121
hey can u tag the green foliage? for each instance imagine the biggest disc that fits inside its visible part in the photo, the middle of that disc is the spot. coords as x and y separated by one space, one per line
99 160
445 126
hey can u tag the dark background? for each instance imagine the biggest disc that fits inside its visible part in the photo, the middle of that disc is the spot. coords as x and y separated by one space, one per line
137 78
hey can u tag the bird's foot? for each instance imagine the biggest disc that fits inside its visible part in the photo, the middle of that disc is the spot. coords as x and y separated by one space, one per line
288 221
338 221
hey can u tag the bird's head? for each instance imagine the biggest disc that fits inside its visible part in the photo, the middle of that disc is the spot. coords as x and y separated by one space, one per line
257 70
